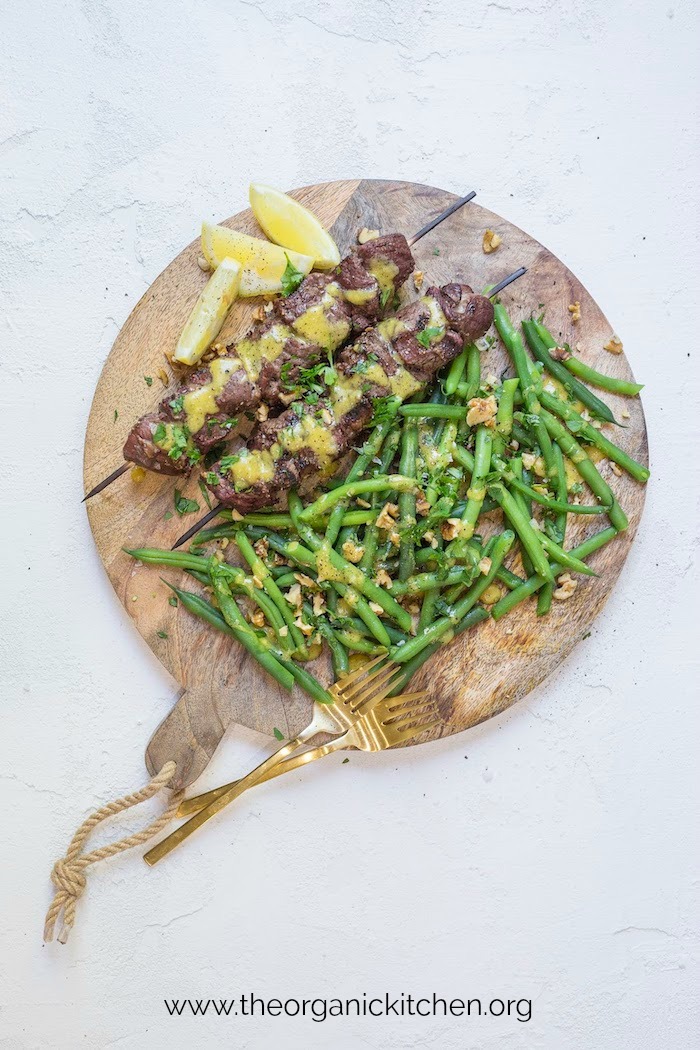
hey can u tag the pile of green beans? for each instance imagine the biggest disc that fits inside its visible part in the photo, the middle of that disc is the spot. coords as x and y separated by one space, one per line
409 548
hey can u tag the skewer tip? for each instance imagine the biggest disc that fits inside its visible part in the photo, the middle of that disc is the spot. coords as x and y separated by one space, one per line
197 526
107 481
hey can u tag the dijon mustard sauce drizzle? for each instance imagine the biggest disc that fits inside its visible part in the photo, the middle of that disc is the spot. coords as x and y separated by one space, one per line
315 431
314 325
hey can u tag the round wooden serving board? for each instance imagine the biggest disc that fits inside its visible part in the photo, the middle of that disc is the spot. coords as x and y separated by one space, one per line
484 670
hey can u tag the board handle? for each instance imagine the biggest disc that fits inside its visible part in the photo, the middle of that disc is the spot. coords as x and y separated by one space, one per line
188 736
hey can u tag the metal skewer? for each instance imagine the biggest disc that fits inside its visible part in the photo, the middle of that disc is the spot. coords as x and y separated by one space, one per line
194 529
455 206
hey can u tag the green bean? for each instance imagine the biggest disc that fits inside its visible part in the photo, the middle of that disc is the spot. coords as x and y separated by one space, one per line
359 644
433 411
348 572
578 425
504 415
546 501
562 557
477 486
468 388
261 571
583 371
308 683
430 581
456 371
339 656
382 482
407 500
534 583
405 653
586 468
173 559
360 605
238 627
570 382
529 538
369 451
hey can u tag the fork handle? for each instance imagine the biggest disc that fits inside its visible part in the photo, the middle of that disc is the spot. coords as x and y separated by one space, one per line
232 791
199 802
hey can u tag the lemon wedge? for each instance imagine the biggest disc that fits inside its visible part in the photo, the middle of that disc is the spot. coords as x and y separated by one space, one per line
287 222
262 263
209 313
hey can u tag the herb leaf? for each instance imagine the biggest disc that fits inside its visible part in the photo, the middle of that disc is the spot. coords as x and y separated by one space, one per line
205 492
278 734
148 380
183 505
426 337
291 278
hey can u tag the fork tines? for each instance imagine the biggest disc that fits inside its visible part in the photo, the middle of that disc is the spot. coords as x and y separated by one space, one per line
373 686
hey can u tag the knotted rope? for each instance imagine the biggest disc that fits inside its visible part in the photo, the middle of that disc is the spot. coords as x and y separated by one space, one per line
68 874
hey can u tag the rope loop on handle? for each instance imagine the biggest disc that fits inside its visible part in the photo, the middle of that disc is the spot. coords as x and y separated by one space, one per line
68 873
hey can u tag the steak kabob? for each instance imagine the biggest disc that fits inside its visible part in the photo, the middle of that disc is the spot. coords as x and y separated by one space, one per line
325 312
390 362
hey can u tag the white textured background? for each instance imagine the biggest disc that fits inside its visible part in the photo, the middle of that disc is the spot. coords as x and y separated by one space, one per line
552 853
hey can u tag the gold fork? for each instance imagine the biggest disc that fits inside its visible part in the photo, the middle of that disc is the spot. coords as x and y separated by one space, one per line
383 724
352 696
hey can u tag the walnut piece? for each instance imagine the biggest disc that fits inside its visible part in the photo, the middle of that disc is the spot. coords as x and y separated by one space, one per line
352 552
261 547
482 410
485 566
491 242
575 311
422 506
418 280
616 470
203 264
614 345
560 353
293 595
451 528
383 579
257 618
566 587
365 235
387 518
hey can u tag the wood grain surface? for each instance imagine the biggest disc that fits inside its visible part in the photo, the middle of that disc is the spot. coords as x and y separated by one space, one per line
484 670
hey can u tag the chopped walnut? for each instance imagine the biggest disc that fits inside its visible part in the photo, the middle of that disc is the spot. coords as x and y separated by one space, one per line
450 529
485 566
529 459
418 279
293 595
376 608
431 538
491 380
575 311
422 506
304 580
482 410
367 235
614 345
224 543
305 628
236 515
257 618
327 417
616 470
261 547
283 631
560 353
352 552
491 242
566 587
256 580
203 264
319 604
394 538
383 579
259 313
625 414
262 412
387 518
363 503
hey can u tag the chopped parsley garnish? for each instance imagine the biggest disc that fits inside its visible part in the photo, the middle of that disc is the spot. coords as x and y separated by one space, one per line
291 278
179 438
148 380
205 492
160 434
384 297
364 362
385 408
211 479
183 505
436 251
172 600
227 462
116 415
297 409
426 337
279 735
168 515
162 634
176 403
